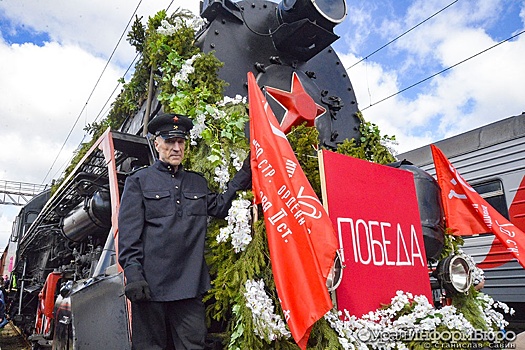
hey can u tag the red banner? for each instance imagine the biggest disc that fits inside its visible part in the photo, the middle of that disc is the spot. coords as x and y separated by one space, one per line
467 213
301 239
375 212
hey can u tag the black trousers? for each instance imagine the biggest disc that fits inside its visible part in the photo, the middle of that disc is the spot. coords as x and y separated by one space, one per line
155 324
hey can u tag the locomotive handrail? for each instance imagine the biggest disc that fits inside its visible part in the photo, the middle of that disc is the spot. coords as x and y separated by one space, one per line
93 161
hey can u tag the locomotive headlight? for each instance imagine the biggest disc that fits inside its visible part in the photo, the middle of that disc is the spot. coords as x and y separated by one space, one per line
306 27
336 274
327 13
454 274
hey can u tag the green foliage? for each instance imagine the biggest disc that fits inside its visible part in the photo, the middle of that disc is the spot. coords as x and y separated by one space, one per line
451 245
202 87
158 46
323 337
231 271
304 140
467 304
137 35
222 137
470 307
371 146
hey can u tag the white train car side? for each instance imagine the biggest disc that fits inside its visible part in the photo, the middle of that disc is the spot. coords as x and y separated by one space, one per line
492 160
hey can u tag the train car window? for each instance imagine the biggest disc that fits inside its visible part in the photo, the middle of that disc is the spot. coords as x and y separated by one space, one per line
14 233
30 218
492 192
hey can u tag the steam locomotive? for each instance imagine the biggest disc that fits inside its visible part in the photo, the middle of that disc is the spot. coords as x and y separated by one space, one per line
69 287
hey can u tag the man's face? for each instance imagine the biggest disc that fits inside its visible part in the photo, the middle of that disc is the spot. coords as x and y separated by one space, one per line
171 151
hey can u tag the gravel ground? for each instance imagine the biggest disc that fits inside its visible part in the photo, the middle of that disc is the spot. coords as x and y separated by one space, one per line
11 339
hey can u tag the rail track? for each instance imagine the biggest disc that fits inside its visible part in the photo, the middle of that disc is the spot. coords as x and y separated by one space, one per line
11 338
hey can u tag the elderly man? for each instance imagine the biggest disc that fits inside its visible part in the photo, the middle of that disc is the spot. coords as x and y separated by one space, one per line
162 228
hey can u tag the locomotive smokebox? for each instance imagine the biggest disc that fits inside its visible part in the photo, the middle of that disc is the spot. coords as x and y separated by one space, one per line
286 46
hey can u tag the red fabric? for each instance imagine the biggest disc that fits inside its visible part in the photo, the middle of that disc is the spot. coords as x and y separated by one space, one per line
301 238
517 207
498 255
374 211
467 213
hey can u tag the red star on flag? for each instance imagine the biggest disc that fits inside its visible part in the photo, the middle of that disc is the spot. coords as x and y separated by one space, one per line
298 104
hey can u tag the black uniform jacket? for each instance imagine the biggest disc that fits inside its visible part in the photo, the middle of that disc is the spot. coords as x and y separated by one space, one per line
162 228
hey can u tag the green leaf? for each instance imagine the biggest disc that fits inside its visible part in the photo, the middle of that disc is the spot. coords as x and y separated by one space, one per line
214 159
226 134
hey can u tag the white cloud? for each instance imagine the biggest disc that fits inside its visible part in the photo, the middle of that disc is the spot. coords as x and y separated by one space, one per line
483 89
94 26
45 88
360 20
395 116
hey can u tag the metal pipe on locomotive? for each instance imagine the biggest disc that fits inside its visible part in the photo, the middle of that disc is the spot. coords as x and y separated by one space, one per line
69 285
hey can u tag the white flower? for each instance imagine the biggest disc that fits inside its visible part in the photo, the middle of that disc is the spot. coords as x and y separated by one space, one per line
216 113
199 125
224 234
239 226
372 330
267 324
195 23
185 71
222 176
235 100
491 316
236 159
166 28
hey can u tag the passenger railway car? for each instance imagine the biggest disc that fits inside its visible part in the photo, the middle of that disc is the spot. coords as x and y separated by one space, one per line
492 160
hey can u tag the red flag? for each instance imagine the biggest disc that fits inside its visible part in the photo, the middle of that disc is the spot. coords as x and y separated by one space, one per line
467 213
301 238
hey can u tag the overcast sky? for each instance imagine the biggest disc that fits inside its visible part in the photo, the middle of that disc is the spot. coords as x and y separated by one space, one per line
52 54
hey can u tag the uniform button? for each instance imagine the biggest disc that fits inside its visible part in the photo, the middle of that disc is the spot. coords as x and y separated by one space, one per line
157 196
194 197
172 175
178 202
176 186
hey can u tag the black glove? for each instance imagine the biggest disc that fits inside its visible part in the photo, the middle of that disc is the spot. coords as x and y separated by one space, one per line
137 291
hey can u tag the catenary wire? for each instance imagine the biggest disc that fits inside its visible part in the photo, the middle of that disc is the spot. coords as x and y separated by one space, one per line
402 34
444 70
382 47
59 170
92 91
107 101
124 32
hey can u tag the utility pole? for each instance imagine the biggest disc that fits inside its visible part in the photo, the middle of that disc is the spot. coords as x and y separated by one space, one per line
18 193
